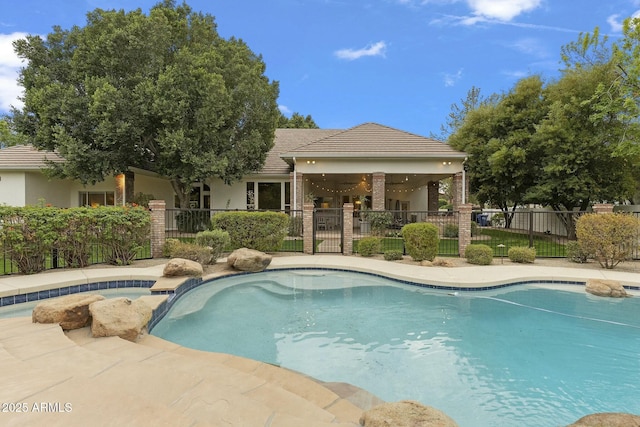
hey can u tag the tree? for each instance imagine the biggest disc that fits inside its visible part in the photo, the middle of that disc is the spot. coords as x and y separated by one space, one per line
163 92
296 121
8 137
458 112
503 164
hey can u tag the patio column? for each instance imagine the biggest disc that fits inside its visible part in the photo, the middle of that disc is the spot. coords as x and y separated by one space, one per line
158 226
347 230
433 196
297 185
378 193
458 188
464 228
307 228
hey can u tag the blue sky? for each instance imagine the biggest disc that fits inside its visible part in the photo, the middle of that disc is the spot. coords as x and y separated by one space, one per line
400 63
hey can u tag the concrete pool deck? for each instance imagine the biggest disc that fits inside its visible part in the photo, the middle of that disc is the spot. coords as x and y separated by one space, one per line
54 378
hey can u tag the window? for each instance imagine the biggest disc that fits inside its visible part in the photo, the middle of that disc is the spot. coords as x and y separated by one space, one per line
269 196
97 198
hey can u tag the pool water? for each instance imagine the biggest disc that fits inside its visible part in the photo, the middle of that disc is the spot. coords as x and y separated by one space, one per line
25 309
518 356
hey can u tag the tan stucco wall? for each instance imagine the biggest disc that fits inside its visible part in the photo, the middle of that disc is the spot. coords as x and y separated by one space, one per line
12 188
388 166
38 188
159 187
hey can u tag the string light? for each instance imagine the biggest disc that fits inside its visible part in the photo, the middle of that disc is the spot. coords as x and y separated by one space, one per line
361 188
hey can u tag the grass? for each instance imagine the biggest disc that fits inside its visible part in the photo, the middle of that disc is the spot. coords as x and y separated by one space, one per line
545 245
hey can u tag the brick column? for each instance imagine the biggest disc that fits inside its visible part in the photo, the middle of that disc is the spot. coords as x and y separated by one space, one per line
299 190
378 194
433 196
464 228
457 190
347 230
158 225
307 228
602 208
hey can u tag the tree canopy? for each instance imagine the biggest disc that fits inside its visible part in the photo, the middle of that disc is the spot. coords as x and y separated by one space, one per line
296 121
162 92
8 137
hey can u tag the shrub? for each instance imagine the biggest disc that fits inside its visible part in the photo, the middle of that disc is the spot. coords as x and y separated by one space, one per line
575 252
478 254
295 226
192 221
610 238
216 240
369 246
421 240
379 221
393 255
263 231
122 232
169 247
192 251
76 235
450 230
522 254
474 229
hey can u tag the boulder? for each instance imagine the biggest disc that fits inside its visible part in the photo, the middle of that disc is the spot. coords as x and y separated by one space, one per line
244 259
606 288
406 413
610 419
182 267
119 317
69 311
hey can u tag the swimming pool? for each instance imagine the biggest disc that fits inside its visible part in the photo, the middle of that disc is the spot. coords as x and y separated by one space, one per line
516 356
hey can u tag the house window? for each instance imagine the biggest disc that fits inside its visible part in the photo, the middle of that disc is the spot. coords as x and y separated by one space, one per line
97 198
269 195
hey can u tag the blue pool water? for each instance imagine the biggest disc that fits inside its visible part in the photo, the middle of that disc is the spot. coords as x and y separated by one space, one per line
518 356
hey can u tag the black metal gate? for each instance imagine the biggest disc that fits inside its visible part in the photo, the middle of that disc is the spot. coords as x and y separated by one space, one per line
328 234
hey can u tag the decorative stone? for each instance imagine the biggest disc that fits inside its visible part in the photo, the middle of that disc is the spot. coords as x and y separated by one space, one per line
244 259
70 311
608 419
119 317
606 288
182 267
406 413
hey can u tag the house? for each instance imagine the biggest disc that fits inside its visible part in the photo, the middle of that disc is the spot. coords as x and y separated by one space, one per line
383 167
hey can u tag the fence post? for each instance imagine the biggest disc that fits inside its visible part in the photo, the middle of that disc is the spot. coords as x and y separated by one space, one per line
347 229
464 227
600 208
530 228
158 226
307 228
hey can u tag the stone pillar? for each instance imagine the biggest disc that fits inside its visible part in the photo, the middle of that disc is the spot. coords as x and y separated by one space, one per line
458 188
600 208
464 228
347 229
378 195
433 196
307 228
299 188
158 225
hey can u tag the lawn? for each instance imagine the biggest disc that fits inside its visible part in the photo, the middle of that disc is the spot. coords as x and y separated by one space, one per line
546 245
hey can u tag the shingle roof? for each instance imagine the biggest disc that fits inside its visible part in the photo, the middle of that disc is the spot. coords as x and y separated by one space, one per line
26 157
290 139
374 140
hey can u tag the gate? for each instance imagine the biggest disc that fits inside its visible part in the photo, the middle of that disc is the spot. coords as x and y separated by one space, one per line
328 235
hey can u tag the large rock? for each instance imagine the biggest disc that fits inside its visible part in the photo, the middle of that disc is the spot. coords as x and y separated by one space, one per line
182 267
406 413
244 259
119 317
611 419
606 288
70 311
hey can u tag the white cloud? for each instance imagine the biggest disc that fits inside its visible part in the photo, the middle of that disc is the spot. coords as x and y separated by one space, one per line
530 46
284 109
9 67
451 79
376 49
615 21
503 10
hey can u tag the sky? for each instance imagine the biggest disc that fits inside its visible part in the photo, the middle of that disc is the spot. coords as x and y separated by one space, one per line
399 63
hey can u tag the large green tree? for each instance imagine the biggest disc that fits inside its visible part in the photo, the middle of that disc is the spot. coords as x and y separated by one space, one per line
296 121
163 92
8 137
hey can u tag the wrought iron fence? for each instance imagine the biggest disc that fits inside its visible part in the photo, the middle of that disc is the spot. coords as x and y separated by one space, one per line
184 224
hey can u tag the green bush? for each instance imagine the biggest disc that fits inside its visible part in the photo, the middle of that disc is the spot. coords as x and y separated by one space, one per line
77 231
479 254
263 231
29 235
379 222
609 238
295 226
450 230
575 253
474 229
192 221
217 240
421 240
522 254
393 255
122 232
192 251
369 246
